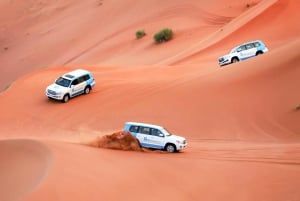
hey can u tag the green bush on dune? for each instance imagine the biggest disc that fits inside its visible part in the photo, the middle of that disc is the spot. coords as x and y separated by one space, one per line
7 86
297 107
140 34
163 35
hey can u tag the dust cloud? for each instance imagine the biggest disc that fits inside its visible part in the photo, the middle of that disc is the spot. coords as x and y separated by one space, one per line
121 140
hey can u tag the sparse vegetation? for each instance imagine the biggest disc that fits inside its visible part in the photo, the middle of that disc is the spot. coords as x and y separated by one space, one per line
163 35
297 107
251 4
7 86
140 34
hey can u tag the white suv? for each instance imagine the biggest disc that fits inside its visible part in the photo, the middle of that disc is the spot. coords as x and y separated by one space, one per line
243 52
156 137
70 85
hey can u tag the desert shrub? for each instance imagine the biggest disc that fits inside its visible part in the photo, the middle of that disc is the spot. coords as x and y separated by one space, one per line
7 86
163 35
297 107
140 34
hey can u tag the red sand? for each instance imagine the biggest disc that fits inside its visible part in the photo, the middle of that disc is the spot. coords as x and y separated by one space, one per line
240 121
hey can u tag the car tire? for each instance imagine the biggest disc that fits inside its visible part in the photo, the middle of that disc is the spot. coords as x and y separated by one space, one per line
66 98
258 53
87 90
170 148
235 60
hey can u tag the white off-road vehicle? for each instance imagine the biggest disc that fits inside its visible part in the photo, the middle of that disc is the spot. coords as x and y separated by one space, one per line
70 85
156 137
243 52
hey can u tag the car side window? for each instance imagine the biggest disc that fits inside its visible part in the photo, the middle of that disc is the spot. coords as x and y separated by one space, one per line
75 82
256 44
134 129
86 77
156 132
249 46
241 48
144 130
80 79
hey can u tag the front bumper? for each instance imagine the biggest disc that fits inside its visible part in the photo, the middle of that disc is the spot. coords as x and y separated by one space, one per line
54 95
223 61
181 146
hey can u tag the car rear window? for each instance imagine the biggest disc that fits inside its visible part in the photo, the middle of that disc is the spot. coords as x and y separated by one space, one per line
257 44
249 46
134 129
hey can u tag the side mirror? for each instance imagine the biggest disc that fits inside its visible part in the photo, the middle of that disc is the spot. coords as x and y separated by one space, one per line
161 135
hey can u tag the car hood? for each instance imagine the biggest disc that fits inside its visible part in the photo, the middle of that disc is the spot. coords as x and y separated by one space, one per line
57 88
176 137
224 56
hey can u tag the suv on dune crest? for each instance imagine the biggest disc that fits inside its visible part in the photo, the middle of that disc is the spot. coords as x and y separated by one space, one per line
70 85
155 137
243 52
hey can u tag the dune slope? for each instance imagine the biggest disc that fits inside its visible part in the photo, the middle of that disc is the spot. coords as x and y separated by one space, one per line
24 165
241 121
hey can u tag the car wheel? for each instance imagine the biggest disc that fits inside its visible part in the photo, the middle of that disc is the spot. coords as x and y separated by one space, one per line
87 90
234 60
170 148
66 98
258 53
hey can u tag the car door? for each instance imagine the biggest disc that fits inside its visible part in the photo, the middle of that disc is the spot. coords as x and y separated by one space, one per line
77 86
144 137
242 52
74 88
158 138
81 84
250 51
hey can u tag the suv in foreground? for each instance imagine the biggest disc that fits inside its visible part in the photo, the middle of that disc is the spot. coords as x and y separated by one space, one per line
70 85
156 137
243 52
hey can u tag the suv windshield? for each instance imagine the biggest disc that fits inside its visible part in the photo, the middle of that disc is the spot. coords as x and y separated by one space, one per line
167 133
63 82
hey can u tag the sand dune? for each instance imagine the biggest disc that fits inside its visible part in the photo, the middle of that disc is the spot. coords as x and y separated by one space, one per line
241 121
24 165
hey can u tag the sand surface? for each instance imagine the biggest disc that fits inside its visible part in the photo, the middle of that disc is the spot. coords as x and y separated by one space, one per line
241 121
